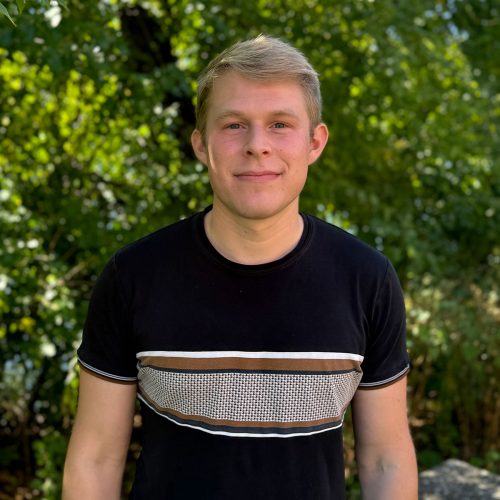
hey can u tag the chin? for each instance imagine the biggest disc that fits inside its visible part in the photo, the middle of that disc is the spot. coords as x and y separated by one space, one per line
261 211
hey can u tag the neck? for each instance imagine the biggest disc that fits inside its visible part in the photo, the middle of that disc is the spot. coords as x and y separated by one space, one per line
253 241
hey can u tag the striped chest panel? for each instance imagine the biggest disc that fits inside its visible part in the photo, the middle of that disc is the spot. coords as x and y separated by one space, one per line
250 394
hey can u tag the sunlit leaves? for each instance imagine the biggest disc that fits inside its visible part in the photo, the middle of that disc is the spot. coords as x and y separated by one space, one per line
19 6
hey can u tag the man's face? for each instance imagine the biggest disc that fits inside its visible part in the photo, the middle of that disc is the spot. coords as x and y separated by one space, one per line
258 145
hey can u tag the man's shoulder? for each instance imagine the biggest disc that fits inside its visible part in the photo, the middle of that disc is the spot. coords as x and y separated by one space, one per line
344 245
158 244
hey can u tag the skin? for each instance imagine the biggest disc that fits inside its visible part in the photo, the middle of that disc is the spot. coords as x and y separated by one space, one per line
387 465
257 148
99 442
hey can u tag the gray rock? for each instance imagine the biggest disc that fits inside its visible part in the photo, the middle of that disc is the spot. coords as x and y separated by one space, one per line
457 480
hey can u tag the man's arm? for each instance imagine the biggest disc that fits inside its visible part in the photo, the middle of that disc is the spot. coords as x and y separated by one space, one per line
98 446
385 455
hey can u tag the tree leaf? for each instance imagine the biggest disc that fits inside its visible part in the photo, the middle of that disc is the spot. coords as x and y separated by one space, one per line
5 12
20 5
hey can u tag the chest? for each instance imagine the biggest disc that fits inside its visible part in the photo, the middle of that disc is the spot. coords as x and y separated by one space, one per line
296 310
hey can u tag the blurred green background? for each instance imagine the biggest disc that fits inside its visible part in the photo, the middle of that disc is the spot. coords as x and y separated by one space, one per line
96 110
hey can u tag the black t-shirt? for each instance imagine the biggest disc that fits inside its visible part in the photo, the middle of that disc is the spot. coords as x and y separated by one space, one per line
244 372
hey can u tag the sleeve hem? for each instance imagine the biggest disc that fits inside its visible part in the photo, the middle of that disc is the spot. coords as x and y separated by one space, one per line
110 377
384 383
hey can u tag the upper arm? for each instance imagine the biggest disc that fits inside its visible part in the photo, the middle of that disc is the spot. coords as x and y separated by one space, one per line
384 450
380 420
104 419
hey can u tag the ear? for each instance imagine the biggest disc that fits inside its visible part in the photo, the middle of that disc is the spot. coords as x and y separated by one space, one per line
199 146
318 142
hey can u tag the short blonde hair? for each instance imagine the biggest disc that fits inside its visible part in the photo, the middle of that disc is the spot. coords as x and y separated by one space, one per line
261 58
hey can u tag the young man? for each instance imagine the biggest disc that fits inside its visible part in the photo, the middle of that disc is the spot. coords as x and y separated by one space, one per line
249 328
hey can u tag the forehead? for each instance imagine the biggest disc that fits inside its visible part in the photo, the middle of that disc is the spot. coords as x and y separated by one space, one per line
232 91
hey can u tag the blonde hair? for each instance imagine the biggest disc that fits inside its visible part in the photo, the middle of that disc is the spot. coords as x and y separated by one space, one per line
261 58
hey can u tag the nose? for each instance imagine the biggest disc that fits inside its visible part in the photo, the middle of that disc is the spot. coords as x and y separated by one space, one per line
257 143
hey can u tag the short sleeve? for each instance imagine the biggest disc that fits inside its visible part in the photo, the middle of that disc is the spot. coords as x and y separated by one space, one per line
386 359
107 347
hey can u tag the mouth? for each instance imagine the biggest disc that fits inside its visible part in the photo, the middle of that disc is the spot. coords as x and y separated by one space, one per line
258 176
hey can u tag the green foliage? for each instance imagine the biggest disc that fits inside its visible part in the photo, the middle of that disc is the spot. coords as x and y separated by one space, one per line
95 118
5 12
50 451
17 7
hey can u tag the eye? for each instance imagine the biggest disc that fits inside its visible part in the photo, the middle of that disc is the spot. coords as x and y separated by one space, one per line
279 125
233 126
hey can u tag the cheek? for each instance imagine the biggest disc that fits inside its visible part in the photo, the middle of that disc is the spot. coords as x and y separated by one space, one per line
220 150
294 146
299 156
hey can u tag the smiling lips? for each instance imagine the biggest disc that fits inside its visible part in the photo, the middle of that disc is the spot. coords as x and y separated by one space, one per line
258 176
